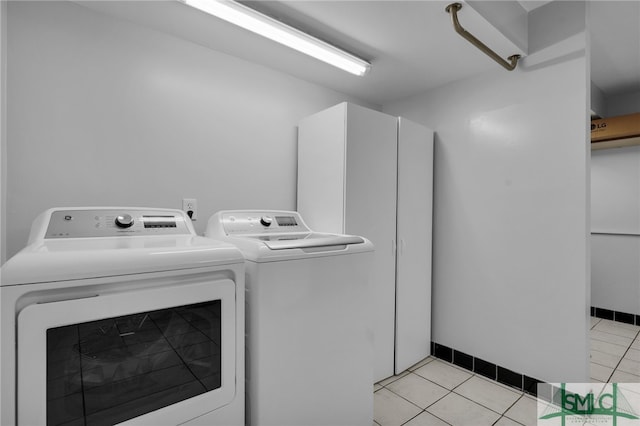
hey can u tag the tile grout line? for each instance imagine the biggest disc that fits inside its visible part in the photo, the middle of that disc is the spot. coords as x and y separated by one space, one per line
609 354
605 366
614 335
616 324
512 405
430 381
504 416
508 418
611 334
449 391
422 410
425 411
623 355
521 393
402 397
484 406
489 379
413 403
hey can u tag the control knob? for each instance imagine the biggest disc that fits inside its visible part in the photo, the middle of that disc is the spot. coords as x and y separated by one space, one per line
266 220
124 221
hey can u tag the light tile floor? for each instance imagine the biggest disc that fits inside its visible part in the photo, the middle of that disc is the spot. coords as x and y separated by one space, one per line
615 352
434 392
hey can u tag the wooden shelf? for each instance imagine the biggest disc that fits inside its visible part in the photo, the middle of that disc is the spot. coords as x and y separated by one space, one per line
616 143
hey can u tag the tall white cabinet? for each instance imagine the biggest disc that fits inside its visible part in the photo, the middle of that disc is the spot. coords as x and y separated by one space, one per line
367 173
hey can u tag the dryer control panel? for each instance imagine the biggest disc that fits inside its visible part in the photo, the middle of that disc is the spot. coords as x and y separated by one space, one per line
262 222
113 222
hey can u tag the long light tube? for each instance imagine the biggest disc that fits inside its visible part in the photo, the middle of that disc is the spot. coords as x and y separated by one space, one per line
270 28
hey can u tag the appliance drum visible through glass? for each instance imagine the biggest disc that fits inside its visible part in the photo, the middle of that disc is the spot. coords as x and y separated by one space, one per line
115 369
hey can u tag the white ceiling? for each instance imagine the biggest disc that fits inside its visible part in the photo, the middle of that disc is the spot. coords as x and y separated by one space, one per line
529 5
411 44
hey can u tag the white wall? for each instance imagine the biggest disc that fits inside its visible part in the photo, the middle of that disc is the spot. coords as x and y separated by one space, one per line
598 101
615 272
623 104
615 190
614 105
3 127
615 221
510 281
103 112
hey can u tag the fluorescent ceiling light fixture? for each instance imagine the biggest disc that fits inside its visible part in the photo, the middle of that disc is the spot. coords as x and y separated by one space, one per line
270 28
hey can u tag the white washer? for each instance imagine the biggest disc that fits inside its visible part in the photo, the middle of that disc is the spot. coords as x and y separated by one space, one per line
122 316
309 320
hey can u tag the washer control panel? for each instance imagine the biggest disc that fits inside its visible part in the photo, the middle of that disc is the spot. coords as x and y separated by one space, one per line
74 223
262 222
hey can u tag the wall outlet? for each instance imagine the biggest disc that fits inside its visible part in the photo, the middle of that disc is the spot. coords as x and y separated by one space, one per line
190 207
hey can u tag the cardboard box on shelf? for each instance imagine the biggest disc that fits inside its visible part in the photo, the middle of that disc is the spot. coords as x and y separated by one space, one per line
624 126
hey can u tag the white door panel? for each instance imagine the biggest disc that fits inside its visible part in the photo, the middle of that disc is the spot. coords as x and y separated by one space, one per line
371 212
413 287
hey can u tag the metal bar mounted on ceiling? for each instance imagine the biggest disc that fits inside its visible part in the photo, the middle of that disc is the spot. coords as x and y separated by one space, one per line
453 9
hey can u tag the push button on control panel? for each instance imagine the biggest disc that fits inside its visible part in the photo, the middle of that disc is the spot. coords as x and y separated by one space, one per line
124 221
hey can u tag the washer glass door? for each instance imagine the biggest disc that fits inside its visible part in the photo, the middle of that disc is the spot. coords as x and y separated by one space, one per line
108 359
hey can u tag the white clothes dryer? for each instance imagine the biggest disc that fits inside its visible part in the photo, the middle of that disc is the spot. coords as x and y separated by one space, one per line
122 316
309 320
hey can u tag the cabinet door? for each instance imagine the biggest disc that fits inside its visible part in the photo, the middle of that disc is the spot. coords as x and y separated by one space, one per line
321 169
371 212
413 287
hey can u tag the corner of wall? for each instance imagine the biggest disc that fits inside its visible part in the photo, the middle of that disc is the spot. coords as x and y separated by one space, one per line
554 22
598 101
3 130
595 105
508 17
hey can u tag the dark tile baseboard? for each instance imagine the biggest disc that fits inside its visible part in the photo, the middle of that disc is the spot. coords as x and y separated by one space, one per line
503 375
617 316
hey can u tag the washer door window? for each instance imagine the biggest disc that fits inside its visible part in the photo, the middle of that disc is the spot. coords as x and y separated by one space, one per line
160 356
